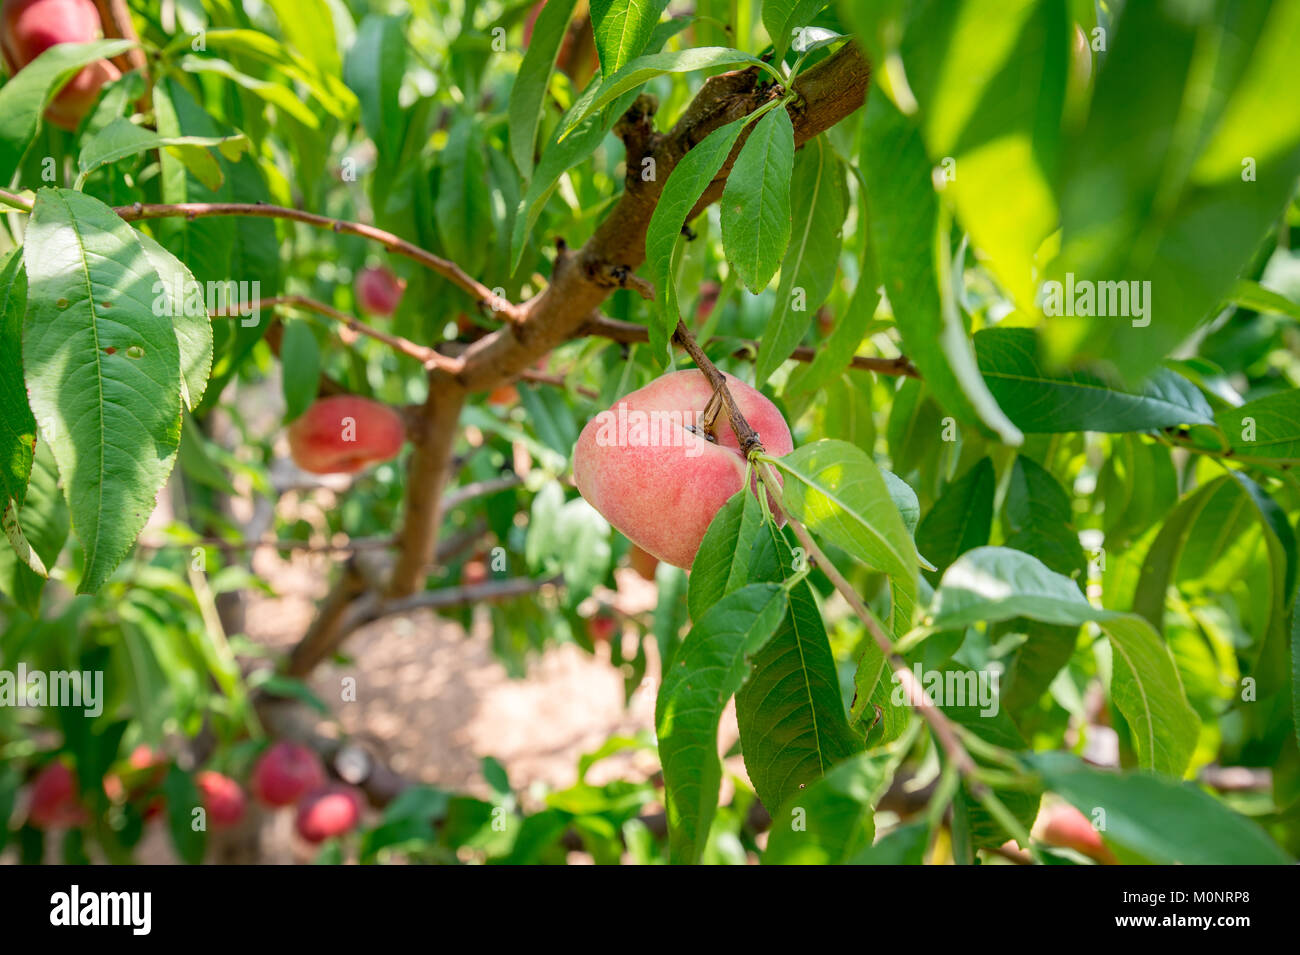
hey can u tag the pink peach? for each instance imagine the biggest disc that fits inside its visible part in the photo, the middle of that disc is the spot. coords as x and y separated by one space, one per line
658 481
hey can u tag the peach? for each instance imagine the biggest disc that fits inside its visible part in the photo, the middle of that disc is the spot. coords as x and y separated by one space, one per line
54 802
344 433
328 812
474 573
503 396
379 291
285 773
222 798
709 292
1067 827
657 480
30 27
602 627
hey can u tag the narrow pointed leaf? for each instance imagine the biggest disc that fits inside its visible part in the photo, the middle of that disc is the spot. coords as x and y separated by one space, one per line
709 667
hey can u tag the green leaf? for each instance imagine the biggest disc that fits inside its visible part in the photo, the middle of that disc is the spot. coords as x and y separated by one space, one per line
840 494
1039 401
176 298
1252 295
1208 528
984 717
622 30
562 154
462 207
812 261
685 185
1038 519
790 714
529 90
905 845
281 95
912 255
996 583
645 68
300 364
308 26
373 70
182 799
1150 816
721 563
831 821
782 17
999 134
17 426
1266 430
959 520
122 138
43 522
24 95
709 667
837 351
583 537
204 245
756 201
1178 173
102 369
321 77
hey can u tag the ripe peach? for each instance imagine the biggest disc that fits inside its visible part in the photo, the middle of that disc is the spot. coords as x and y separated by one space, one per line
473 573
709 292
54 801
602 627
30 27
503 396
286 772
658 481
327 812
379 291
343 434
222 798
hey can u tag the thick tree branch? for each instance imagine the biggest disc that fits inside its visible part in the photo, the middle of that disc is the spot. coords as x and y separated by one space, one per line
582 280
426 476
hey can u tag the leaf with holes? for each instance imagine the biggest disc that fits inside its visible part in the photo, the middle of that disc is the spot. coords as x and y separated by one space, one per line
103 371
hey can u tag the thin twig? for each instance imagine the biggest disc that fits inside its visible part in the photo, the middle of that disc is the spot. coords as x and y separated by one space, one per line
631 333
220 543
746 436
421 353
444 267
943 728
